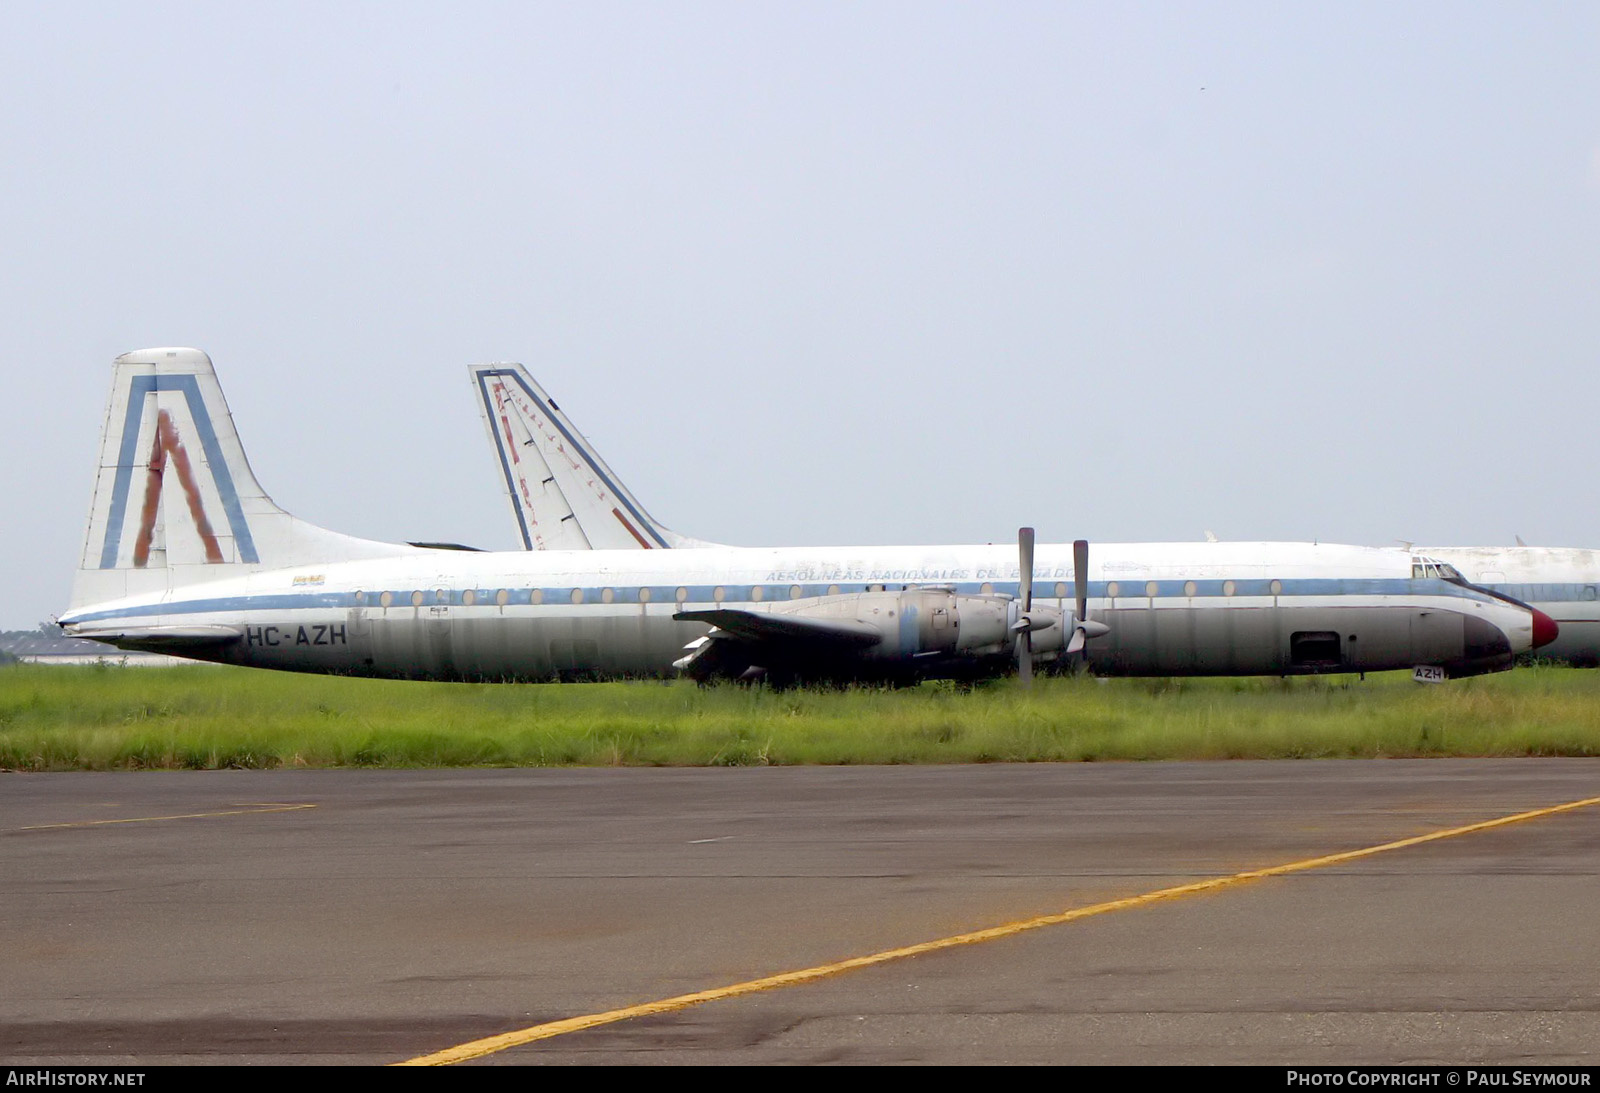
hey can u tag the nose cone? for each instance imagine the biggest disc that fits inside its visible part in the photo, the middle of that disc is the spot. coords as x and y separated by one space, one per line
1545 629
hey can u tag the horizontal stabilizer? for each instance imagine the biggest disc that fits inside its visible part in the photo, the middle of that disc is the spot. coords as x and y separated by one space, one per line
768 626
165 639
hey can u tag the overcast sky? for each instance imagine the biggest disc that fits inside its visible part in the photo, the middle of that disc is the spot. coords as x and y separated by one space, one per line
824 274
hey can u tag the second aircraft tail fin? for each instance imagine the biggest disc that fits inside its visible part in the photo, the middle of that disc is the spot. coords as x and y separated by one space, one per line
563 495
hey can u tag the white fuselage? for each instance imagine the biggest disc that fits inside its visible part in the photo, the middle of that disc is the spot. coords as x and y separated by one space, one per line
1172 608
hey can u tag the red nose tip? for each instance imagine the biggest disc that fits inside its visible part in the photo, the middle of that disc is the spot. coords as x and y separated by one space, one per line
1545 629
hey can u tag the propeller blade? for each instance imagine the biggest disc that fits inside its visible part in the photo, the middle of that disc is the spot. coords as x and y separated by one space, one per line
1080 586
1025 605
1080 576
1025 568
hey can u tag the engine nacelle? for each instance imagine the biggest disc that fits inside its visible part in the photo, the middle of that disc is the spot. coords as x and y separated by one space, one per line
926 622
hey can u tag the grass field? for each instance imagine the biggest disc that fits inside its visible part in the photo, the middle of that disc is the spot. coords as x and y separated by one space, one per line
109 718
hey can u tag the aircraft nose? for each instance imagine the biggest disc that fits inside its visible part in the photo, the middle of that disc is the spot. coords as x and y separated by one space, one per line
1545 629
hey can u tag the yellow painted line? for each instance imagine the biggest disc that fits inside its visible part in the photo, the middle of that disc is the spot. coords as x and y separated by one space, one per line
488 1046
182 816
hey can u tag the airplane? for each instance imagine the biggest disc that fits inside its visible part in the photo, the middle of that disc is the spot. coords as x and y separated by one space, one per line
1562 582
529 433
185 553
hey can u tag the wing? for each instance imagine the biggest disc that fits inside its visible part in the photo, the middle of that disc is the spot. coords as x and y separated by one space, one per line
740 641
761 626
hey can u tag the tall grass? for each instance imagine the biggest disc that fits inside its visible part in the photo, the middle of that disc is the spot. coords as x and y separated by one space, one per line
105 718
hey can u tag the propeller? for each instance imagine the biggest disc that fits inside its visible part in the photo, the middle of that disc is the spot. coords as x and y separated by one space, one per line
1082 628
1028 620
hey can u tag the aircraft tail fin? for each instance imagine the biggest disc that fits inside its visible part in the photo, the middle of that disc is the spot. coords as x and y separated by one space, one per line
175 500
563 495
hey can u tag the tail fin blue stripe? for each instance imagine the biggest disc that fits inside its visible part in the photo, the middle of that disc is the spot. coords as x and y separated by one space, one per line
141 386
500 450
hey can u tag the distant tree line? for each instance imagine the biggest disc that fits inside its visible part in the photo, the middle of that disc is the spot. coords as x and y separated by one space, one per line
49 637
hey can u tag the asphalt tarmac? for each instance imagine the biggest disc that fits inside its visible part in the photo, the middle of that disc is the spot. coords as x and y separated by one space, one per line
376 916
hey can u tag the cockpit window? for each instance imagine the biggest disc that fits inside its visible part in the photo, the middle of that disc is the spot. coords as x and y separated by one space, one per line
1432 569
